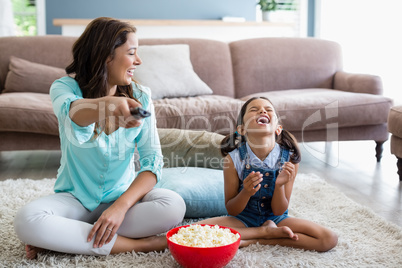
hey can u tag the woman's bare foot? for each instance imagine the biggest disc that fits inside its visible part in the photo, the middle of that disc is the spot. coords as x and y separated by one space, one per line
32 251
152 243
273 231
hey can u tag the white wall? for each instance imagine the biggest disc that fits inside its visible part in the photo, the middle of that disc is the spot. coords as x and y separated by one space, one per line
6 18
370 34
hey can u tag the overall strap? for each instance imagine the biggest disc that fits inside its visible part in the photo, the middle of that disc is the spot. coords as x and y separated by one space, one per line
243 151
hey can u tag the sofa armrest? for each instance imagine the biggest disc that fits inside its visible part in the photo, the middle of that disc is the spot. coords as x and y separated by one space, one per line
359 83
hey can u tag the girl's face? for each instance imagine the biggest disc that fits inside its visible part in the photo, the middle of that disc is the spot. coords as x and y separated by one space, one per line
260 118
121 67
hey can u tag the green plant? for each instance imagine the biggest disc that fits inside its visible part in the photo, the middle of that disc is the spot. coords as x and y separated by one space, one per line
288 5
272 5
267 5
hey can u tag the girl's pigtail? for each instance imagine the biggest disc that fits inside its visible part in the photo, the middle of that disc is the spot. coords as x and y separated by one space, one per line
287 140
231 142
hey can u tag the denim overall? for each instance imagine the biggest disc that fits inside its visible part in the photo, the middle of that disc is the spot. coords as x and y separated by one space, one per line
258 209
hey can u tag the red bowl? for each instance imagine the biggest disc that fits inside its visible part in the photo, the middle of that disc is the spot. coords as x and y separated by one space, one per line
211 257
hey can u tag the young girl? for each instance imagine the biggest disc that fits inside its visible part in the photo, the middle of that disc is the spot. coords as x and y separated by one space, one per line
261 163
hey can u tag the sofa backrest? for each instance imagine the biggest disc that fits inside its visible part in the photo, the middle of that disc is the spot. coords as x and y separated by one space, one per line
52 50
234 69
211 59
270 64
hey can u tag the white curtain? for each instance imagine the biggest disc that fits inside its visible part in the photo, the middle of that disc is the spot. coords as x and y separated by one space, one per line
6 18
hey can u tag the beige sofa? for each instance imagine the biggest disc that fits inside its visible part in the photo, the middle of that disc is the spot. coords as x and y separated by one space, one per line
395 128
303 77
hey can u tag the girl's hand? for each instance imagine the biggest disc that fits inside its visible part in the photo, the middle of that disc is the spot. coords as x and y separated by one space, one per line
287 174
251 183
106 226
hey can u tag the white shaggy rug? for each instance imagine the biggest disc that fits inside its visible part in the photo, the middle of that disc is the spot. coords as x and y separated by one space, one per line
365 239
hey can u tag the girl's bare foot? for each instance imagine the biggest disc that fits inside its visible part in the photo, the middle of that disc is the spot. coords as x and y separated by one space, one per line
273 231
32 251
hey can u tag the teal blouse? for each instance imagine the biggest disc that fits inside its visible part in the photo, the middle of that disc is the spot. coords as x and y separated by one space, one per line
100 170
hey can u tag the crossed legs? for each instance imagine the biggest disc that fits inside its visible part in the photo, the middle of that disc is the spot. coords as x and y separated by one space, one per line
60 223
290 232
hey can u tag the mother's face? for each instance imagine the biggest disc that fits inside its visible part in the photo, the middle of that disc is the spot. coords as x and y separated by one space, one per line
121 67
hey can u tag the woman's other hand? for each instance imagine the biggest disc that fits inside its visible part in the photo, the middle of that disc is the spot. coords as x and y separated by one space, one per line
106 226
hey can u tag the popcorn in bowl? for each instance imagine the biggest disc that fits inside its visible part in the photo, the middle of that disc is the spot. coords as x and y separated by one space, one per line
197 235
203 245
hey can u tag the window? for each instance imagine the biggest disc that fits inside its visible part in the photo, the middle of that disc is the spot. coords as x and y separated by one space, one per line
25 17
368 33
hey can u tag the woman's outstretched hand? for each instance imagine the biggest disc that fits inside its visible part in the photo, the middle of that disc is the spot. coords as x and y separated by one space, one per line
84 112
118 109
106 226
288 173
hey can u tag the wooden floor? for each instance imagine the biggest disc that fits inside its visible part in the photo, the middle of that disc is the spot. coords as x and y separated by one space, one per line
350 166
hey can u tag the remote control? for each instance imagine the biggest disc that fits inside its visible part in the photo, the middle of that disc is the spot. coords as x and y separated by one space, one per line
139 113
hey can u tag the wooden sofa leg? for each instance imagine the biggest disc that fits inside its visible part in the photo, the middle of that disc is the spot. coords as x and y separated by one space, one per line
378 150
399 165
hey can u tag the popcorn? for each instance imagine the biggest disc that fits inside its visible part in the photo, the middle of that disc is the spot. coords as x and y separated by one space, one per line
197 235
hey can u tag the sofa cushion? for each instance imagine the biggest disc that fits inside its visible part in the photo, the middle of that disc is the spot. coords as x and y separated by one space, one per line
195 113
27 76
168 71
318 108
27 112
190 148
211 113
395 121
216 73
51 50
201 188
396 146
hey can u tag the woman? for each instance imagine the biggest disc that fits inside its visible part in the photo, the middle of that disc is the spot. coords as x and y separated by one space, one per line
100 205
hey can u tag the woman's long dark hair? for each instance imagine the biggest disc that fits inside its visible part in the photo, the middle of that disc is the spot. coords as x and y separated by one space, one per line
90 53
285 138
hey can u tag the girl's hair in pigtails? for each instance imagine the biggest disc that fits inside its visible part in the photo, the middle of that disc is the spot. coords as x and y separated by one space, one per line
287 140
231 142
